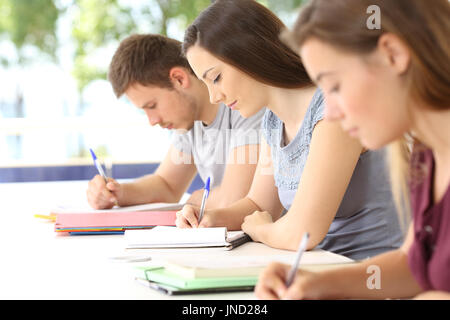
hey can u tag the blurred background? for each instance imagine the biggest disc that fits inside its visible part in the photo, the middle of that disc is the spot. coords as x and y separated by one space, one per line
55 101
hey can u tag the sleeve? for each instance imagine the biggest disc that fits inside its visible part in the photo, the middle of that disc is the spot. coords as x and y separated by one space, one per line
245 131
318 108
270 126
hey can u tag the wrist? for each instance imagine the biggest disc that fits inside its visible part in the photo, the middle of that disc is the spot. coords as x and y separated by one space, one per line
221 218
123 194
333 284
262 232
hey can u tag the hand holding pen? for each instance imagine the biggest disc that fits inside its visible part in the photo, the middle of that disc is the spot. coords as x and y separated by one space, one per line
103 192
191 216
278 280
205 196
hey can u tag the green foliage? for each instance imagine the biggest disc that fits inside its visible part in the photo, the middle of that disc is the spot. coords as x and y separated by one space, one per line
32 23
184 11
102 22
97 24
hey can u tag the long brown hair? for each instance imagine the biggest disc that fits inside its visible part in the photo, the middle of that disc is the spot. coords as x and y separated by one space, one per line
424 26
245 34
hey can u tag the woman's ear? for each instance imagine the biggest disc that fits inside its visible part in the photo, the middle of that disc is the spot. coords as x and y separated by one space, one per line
395 52
179 77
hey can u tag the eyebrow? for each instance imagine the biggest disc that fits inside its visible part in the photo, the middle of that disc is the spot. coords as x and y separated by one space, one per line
323 74
204 74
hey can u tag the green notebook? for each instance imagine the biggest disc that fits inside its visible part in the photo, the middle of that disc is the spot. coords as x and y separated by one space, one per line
166 289
161 275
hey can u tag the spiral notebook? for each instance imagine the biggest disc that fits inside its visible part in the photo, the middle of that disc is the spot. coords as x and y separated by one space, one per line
172 237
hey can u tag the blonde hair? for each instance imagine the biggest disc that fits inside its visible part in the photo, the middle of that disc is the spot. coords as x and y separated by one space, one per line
399 156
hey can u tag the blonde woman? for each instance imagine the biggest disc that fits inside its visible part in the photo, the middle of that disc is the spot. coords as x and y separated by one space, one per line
380 84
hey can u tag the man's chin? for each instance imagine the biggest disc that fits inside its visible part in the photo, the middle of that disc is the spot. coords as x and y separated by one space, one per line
187 127
182 128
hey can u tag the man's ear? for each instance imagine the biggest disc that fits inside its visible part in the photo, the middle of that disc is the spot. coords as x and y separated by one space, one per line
179 77
395 52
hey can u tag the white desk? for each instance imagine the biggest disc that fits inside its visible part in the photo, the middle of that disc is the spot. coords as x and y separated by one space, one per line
36 263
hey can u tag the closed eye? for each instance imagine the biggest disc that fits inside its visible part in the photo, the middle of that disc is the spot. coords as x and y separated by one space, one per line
334 89
217 79
150 107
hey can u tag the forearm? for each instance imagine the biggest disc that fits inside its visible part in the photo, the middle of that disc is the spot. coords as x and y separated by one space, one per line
214 199
433 295
276 236
384 276
219 199
233 215
148 189
286 233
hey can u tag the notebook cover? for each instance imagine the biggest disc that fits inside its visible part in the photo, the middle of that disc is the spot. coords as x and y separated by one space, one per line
162 276
172 291
115 219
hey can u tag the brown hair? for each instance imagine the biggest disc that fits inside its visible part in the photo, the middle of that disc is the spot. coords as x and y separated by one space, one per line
145 59
245 34
424 28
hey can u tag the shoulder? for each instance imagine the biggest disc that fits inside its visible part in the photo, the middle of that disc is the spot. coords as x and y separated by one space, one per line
270 124
316 108
270 120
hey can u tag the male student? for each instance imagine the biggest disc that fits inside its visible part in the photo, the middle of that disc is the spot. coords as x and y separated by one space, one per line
211 139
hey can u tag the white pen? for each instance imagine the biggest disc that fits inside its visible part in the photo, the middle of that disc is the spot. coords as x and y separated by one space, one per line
205 196
301 249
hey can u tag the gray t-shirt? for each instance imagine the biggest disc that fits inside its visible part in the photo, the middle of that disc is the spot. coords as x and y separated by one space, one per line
366 222
210 145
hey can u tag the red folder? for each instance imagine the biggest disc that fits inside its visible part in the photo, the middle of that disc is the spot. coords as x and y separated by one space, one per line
113 221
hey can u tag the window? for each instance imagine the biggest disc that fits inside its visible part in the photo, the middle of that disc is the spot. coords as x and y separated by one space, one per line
55 102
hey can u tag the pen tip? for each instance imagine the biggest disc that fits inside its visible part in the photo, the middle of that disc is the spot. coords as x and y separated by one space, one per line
92 153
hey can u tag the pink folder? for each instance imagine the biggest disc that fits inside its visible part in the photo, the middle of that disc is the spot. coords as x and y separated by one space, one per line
113 220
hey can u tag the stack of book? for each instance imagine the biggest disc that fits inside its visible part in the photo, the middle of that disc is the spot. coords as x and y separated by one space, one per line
223 273
175 278
114 221
171 237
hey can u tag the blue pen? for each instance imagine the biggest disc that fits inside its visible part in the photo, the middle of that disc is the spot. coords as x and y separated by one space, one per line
98 166
205 195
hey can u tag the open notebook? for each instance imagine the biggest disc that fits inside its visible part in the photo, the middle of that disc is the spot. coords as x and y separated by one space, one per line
172 237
